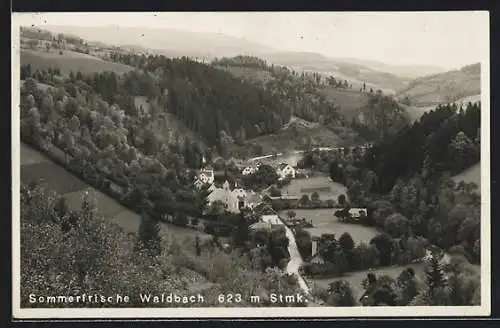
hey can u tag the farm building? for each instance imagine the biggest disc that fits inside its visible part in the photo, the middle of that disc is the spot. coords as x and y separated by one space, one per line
285 170
233 198
357 213
248 170
206 176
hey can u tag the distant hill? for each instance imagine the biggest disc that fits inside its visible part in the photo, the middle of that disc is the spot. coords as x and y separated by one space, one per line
445 87
356 73
168 41
407 71
207 46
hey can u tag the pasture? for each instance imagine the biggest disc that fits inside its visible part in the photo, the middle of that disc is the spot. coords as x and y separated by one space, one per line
349 101
70 61
324 221
108 207
55 177
320 184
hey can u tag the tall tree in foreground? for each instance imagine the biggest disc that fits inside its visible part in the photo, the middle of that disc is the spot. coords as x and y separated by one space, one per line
434 277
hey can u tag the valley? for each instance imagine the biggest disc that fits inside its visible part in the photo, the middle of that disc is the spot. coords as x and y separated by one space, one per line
289 172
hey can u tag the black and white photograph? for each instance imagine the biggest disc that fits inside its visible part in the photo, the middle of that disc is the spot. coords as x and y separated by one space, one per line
236 164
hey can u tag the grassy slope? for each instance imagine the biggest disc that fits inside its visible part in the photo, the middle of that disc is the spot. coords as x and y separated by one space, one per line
472 174
70 61
294 134
439 88
352 72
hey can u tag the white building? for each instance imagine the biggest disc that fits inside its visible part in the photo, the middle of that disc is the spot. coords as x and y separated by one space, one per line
285 170
233 198
357 212
248 170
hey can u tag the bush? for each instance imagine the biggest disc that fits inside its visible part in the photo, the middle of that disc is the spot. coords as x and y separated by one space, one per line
304 243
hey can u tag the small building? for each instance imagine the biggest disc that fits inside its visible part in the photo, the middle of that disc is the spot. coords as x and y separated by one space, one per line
248 170
357 213
198 183
285 170
206 176
272 218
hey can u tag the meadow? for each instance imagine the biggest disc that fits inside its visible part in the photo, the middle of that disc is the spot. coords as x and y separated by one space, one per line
320 184
69 61
324 221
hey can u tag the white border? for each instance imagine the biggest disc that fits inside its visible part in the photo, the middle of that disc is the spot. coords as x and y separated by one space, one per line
26 19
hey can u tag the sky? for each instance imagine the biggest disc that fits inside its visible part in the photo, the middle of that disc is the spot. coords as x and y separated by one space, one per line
445 39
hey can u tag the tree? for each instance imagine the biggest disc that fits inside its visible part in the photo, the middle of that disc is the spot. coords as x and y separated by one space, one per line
355 192
291 214
340 294
304 200
346 242
434 275
149 235
407 287
396 225
341 200
383 242
274 191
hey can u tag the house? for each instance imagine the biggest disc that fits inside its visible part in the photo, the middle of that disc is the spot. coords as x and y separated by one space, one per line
357 213
272 218
267 222
233 199
248 170
198 183
206 176
285 170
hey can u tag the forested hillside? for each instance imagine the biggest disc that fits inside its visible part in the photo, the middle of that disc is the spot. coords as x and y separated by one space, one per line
324 99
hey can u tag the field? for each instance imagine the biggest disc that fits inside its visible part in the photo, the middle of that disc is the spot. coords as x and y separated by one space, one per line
472 174
60 180
53 175
70 61
324 221
303 186
31 156
350 101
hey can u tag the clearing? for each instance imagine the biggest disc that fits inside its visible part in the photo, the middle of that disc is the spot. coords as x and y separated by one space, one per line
472 174
324 221
298 187
70 61
351 102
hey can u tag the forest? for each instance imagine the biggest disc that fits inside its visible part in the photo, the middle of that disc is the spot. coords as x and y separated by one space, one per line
404 182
